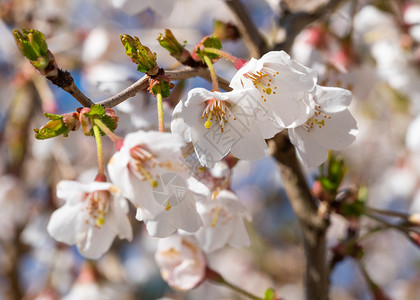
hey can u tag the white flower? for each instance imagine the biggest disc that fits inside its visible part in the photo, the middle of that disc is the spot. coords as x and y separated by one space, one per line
332 127
283 85
151 172
182 263
223 218
91 217
132 7
217 123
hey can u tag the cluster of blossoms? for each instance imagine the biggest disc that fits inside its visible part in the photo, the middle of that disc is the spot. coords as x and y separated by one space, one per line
193 217
269 95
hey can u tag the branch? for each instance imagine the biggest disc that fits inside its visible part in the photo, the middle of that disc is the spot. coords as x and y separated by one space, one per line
294 22
64 80
249 32
312 224
143 83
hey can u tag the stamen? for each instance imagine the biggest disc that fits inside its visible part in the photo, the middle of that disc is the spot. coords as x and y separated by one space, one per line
147 175
208 122
101 220
218 111
215 217
318 118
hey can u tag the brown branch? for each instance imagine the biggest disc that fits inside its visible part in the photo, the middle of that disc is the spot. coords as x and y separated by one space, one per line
143 83
312 224
294 22
64 80
253 39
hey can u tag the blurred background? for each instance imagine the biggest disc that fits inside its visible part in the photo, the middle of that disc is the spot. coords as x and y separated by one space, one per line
369 47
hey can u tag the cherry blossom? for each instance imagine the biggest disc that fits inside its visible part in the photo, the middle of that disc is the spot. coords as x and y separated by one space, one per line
91 217
182 263
223 218
152 174
283 85
217 123
331 127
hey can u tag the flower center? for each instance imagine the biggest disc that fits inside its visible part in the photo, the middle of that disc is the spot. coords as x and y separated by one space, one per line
218 111
141 158
318 119
263 81
97 206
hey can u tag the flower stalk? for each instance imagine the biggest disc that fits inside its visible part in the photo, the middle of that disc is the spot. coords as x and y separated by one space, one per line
237 62
112 136
159 101
97 134
215 85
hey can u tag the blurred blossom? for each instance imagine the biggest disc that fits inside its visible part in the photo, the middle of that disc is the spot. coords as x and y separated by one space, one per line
92 216
224 222
182 263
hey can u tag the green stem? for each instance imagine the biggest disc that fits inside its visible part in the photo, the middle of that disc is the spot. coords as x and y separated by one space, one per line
112 136
161 120
97 134
239 290
221 53
213 75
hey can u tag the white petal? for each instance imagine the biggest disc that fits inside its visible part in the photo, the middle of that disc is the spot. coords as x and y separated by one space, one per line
178 125
311 153
65 224
332 99
97 242
237 81
71 191
339 131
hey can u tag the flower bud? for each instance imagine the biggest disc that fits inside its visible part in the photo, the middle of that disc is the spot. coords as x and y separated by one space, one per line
58 125
33 46
225 31
170 43
31 43
140 55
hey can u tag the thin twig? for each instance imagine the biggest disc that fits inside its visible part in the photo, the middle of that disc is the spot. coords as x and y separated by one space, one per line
143 83
249 32
312 224
294 22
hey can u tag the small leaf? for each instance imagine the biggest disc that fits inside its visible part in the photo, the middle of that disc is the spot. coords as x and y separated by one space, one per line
96 110
53 116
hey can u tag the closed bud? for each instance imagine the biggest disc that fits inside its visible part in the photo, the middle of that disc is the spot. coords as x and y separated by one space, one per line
140 55
170 43
33 46
58 125
225 31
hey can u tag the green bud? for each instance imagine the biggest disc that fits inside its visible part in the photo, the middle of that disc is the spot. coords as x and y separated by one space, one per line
58 125
270 294
332 173
140 55
170 43
31 43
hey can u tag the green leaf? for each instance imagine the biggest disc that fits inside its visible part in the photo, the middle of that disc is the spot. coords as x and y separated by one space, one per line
96 110
355 209
163 87
53 116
